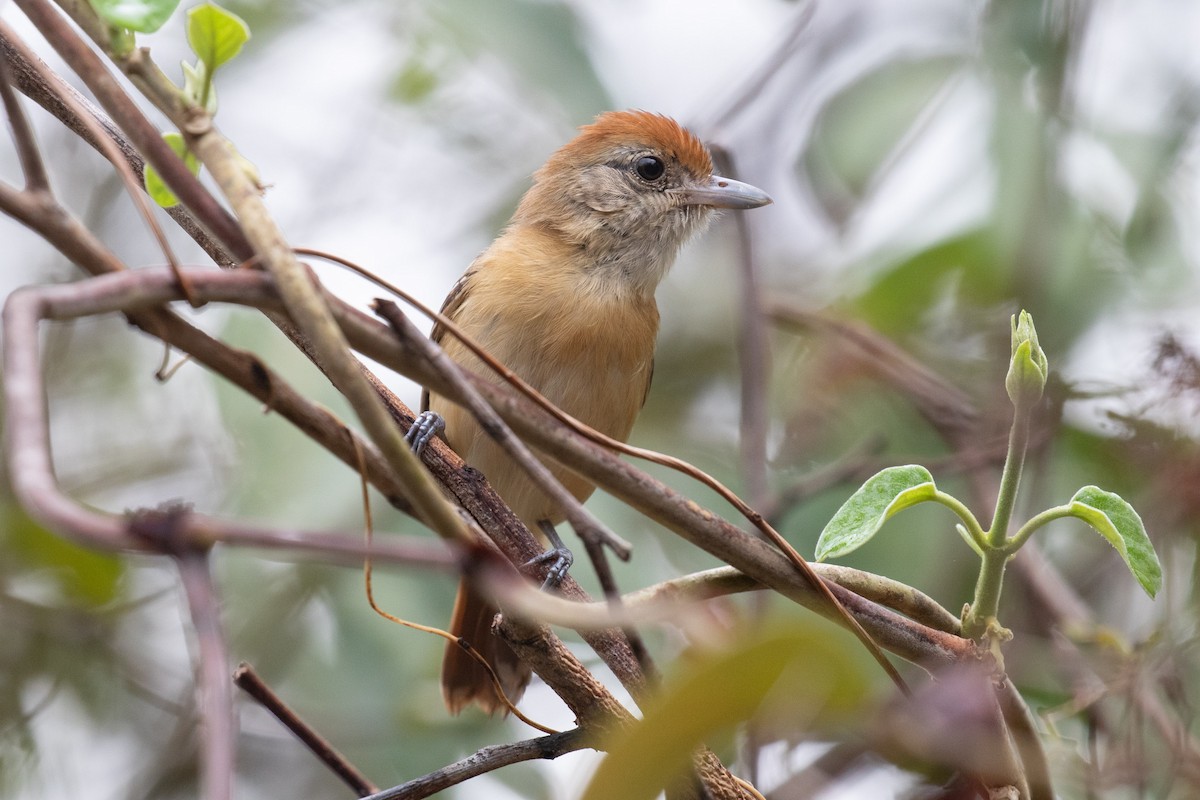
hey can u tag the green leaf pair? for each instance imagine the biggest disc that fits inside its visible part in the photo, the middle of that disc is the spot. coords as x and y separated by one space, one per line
897 488
215 35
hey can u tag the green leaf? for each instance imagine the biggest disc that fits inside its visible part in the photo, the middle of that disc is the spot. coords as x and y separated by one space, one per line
155 186
216 35
144 16
966 269
858 130
888 492
81 576
789 676
1117 522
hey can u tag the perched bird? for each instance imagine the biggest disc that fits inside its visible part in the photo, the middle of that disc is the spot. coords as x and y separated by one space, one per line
565 298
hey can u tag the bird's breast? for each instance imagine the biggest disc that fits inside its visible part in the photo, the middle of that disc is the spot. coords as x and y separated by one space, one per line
586 348
589 353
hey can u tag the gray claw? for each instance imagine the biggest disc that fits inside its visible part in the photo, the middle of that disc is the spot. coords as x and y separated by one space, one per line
427 425
561 559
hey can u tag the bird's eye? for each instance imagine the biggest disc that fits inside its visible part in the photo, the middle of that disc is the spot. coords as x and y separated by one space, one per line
650 168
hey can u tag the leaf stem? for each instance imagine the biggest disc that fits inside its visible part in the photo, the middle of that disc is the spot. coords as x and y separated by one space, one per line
996 550
970 523
1038 521
1010 480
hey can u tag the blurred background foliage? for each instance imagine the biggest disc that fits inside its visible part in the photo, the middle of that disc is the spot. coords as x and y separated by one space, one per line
936 166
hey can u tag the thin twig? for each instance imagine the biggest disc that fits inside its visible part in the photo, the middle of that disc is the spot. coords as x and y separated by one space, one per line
612 596
756 81
721 581
486 760
215 699
249 682
753 354
593 532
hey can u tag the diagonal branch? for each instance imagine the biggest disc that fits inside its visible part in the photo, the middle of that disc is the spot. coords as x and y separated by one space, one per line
32 166
486 760
249 681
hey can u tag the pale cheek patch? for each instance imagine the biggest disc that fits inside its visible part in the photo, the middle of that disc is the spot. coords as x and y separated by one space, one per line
604 192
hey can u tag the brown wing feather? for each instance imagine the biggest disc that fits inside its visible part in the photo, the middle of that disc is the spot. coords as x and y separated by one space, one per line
450 306
649 380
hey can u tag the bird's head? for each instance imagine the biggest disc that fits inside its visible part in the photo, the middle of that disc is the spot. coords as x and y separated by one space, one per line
628 191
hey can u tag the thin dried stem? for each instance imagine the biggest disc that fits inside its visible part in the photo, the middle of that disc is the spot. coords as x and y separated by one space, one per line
249 682
753 354
486 760
212 684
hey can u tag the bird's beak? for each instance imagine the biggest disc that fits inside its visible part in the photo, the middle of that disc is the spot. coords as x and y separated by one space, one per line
723 193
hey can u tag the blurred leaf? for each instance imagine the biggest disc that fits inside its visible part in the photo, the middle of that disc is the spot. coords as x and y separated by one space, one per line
1120 524
896 300
883 495
216 35
808 672
415 82
543 42
82 576
143 16
155 186
859 128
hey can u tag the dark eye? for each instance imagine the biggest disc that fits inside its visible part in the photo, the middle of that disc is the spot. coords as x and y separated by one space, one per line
650 168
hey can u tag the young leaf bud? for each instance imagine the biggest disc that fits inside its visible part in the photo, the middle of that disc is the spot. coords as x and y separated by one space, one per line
1028 369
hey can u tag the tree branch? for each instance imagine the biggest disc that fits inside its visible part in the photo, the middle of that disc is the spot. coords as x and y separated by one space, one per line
486 760
249 682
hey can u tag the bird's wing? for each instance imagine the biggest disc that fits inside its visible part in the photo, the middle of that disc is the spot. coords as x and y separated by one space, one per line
450 306
649 380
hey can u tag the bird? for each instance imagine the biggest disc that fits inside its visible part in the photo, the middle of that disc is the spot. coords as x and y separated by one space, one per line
564 297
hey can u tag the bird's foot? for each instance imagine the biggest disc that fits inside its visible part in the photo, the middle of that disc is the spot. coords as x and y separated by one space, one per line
558 556
427 425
